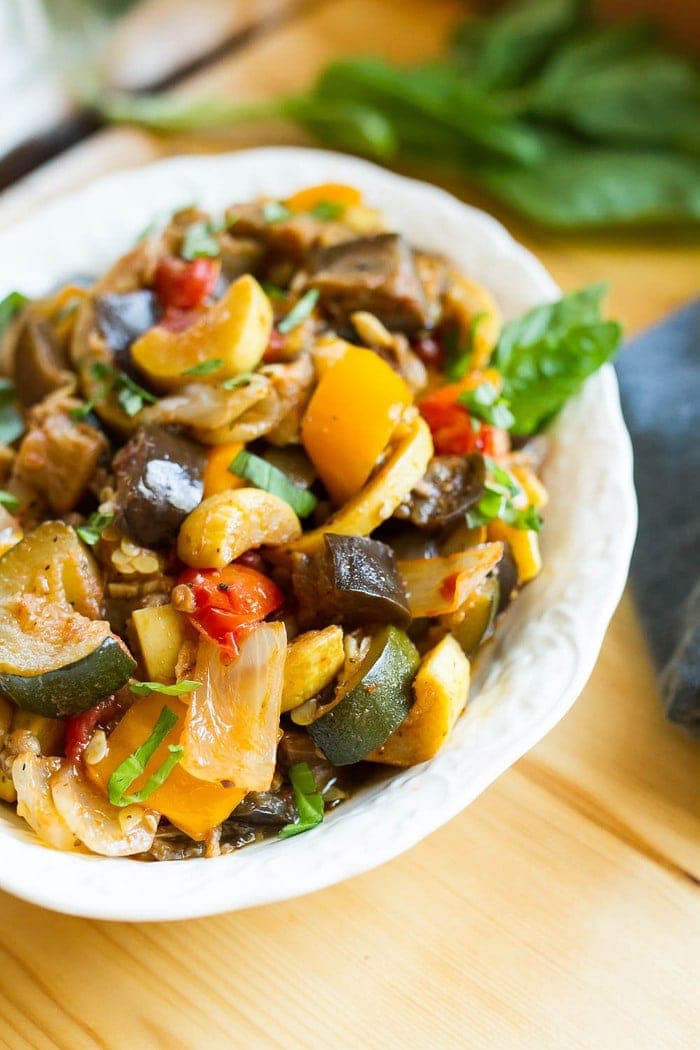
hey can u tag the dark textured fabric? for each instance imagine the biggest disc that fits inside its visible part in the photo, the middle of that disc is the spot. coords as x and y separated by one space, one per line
659 374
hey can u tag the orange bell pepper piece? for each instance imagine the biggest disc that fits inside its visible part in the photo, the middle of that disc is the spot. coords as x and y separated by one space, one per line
327 192
350 418
195 806
217 476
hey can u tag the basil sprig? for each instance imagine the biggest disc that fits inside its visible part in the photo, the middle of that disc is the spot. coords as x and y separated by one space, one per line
299 312
307 799
205 368
498 501
270 478
199 241
92 530
135 764
177 689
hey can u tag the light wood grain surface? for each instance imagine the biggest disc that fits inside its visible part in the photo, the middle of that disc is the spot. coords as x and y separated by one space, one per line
559 910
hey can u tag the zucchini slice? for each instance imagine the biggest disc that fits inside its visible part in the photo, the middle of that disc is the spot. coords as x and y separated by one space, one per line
371 701
56 657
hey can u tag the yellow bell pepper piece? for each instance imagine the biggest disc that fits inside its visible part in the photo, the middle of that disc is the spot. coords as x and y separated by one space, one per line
327 192
235 331
161 631
531 485
350 418
217 476
195 806
524 544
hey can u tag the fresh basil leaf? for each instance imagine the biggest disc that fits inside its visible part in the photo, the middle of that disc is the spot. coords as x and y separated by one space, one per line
178 689
9 307
8 501
81 412
11 422
92 530
205 368
199 242
135 764
130 396
545 356
457 357
273 292
299 313
501 52
276 211
157 779
307 799
328 211
485 403
265 476
235 381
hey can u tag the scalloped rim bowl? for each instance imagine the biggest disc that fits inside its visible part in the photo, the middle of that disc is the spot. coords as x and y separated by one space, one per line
548 641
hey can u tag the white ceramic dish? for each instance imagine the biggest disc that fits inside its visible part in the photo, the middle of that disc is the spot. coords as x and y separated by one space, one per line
547 645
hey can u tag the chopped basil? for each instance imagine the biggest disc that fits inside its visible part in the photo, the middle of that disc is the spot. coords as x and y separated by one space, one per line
486 403
205 368
134 765
199 241
9 306
497 502
130 396
264 476
308 801
11 422
458 358
327 211
8 500
92 530
272 291
298 314
178 689
235 381
81 412
275 211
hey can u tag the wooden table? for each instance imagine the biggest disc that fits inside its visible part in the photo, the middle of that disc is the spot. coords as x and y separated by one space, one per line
559 910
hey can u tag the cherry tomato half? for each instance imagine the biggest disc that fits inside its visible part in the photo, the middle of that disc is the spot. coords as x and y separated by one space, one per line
229 601
184 285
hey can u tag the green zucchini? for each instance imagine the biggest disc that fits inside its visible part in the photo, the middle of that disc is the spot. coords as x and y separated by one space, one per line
56 657
76 686
371 702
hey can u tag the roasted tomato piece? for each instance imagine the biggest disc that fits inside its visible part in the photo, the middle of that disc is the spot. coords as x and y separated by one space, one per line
184 285
229 601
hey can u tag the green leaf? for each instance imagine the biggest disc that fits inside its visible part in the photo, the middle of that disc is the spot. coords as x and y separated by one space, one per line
11 423
178 689
135 764
585 187
81 412
199 242
235 381
205 368
130 396
328 211
91 532
458 358
275 211
9 307
265 476
502 51
546 356
273 292
307 799
8 500
485 403
299 313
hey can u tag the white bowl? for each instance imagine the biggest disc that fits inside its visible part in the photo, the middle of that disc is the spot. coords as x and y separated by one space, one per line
547 644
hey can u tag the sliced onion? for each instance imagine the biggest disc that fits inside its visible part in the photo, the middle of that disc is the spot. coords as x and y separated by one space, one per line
232 725
31 776
436 586
102 827
201 405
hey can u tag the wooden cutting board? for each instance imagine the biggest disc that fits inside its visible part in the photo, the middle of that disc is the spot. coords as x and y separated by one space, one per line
560 910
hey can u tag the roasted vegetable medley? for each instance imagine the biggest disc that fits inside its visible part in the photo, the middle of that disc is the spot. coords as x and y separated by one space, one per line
267 485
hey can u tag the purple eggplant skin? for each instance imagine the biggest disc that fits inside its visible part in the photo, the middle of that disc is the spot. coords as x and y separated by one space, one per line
353 581
451 485
159 481
122 318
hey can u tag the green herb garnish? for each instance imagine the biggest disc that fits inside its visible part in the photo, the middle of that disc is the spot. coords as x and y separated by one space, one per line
8 500
9 307
486 404
178 689
307 799
81 412
299 313
458 358
275 211
130 396
273 292
546 355
205 368
132 767
92 530
328 211
235 381
264 476
11 421
199 241
500 491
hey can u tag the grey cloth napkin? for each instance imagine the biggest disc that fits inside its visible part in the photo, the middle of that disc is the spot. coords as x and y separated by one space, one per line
659 375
